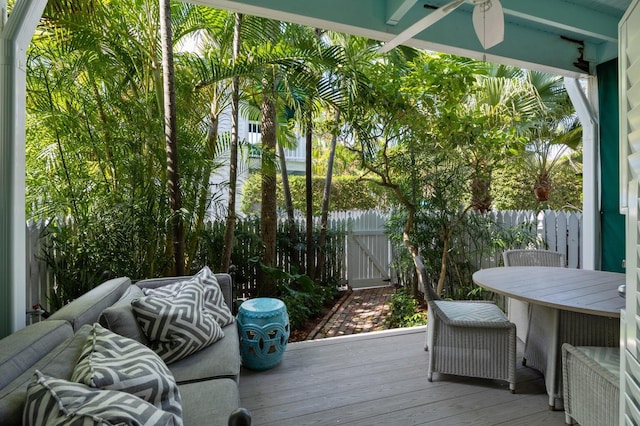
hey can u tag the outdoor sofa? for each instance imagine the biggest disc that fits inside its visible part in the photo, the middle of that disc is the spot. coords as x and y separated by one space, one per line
207 380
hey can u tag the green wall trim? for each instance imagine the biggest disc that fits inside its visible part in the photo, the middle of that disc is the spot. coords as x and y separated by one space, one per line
613 229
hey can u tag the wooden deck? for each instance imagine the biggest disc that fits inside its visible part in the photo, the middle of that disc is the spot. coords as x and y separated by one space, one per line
379 378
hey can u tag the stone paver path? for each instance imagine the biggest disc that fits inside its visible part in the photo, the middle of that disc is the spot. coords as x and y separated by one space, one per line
357 311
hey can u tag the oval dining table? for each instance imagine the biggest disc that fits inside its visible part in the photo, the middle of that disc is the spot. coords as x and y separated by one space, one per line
576 306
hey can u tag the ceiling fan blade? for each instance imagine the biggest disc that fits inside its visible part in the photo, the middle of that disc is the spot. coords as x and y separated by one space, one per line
488 21
421 25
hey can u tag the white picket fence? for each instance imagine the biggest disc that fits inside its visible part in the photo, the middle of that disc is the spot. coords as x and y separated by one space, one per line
557 231
368 253
40 280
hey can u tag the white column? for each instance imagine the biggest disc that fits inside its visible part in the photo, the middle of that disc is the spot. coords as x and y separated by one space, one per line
590 169
15 34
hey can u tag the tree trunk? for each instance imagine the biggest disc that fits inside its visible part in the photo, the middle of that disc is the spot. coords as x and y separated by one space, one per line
542 187
293 230
326 194
480 193
481 186
268 218
443 265
204 191
311 258
230 226
171 144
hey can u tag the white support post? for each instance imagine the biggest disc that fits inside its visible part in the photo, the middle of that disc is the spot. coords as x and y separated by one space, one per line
590 170
3 14
15 34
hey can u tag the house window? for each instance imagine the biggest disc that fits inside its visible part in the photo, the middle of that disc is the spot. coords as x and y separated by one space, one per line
254 134
254 127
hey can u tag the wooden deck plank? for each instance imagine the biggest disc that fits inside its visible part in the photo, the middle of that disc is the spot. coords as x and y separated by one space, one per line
380 379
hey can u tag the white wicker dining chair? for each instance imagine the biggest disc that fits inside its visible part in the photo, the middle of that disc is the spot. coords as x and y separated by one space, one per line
518 311
528 257
468 337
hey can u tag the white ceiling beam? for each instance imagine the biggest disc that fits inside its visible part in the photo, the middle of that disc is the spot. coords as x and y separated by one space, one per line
3 14
565 16
396 9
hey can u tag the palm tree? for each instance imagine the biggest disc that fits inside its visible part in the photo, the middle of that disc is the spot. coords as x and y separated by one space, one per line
103 115
496 110
227 246
547 148
291 67
171 139
350 80
554 130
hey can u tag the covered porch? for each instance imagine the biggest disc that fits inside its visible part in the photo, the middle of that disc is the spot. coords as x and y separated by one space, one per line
380 378
574 39
375 378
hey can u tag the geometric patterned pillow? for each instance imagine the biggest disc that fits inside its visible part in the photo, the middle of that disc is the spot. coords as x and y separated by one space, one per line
56 402
113 362
213 297
177 325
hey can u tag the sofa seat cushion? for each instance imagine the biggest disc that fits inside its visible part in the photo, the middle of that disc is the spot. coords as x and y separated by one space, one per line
86 308
221 359
471 311
52 401
209 402
213 297
177 325
57 362
113 362
608 358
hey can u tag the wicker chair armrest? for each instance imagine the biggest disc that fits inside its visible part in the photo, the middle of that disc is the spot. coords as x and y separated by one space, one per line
588 362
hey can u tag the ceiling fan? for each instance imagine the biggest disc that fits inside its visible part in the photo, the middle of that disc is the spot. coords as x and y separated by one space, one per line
488 22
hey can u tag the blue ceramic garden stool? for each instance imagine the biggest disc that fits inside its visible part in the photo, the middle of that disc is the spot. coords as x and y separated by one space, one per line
263 325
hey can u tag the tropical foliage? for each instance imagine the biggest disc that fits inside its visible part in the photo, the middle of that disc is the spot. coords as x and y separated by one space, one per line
404 310
425 134
348 192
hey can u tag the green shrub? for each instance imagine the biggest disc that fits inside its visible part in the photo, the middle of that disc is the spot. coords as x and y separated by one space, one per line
404 310
303 297
512 189
347 193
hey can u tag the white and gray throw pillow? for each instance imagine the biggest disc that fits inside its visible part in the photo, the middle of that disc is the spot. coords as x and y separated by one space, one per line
52 401
213 297
178 324
113 362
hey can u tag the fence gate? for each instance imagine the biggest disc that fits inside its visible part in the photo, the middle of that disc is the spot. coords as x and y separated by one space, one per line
368 251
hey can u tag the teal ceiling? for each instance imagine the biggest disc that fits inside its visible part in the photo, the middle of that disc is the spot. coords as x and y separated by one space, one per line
565 36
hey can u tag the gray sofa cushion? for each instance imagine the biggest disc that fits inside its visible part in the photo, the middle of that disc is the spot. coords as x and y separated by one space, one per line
58 362
86 308
222 359
210 402
21 350
120 319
